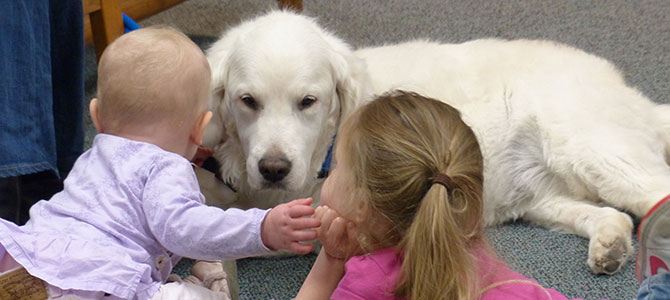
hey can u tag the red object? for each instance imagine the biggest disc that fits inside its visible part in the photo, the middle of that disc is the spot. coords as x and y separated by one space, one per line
656 264
201 155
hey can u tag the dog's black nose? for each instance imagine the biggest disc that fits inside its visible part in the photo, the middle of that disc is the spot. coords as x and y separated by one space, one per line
274 169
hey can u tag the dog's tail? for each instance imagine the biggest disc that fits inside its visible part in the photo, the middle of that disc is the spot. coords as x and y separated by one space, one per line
663 115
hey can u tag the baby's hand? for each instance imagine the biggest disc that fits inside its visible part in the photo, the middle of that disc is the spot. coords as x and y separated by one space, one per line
284 226
336 234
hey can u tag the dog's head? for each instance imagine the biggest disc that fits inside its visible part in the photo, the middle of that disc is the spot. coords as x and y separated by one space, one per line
281 85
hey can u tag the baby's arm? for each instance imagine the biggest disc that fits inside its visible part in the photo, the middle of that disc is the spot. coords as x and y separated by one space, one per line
188 228
178 219
198 231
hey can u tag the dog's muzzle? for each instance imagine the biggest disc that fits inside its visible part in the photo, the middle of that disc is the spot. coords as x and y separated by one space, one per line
274 169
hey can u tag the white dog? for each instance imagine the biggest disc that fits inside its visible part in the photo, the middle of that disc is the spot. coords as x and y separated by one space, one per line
565 140
281 87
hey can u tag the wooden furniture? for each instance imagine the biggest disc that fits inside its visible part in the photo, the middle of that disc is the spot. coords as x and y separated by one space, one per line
103 22
291 4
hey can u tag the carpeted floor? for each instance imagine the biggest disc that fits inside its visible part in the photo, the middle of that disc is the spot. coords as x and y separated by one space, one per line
632 34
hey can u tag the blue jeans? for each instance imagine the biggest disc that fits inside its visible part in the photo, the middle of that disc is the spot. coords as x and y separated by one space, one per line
656 287
41 86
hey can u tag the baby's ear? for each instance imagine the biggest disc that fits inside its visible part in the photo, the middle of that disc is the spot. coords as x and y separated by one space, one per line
215 131
95 115
199 127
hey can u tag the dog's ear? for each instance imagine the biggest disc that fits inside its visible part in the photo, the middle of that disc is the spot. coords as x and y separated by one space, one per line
352 85
215 132
352 81
218 56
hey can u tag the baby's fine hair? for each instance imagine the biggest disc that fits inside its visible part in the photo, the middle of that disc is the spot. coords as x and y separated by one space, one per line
151 74
395 146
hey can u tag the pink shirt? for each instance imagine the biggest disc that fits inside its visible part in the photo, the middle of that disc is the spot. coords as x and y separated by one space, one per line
373 276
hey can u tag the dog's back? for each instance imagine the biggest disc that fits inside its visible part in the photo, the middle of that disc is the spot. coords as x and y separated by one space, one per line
559 128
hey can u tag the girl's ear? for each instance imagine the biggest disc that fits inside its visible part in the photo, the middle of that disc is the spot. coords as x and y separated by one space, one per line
199 128
95 115
361 211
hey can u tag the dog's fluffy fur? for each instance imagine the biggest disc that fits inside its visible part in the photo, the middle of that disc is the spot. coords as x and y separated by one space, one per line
566 142
278 60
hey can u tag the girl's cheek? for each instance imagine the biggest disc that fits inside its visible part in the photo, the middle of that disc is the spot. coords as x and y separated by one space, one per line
325 200
326 193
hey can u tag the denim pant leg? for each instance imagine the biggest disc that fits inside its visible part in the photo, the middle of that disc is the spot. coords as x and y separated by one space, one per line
656 287
41 86
41 100
67 69
27 142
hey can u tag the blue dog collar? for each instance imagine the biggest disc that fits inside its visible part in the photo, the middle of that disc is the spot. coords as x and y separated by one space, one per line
325 167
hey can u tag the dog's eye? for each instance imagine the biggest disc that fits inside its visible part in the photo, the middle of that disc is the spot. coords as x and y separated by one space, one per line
307 102
249 102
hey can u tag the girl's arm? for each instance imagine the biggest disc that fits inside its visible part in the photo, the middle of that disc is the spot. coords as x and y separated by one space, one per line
323 278
339 242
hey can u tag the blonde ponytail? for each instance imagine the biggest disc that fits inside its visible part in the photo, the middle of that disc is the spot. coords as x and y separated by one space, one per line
396 146
438 263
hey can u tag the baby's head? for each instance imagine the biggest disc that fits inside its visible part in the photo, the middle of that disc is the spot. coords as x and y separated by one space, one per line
389 154
151 81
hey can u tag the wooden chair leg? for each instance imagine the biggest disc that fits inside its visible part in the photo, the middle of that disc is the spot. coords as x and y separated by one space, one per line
106 24
295 5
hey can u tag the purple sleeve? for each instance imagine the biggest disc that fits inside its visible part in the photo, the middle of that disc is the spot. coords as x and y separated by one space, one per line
363 279
184 225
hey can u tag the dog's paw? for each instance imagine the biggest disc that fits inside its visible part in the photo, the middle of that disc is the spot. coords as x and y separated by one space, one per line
609 253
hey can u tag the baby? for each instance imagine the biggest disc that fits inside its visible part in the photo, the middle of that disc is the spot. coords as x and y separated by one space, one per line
131 206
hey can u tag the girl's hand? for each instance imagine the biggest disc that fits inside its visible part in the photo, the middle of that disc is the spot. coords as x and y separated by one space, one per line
336 234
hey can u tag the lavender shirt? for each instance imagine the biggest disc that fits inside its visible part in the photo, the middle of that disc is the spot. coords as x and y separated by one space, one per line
128 211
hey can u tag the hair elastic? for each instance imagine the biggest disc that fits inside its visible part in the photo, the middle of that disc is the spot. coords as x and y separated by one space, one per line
444 180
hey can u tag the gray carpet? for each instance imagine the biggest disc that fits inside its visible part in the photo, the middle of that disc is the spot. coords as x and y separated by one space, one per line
632 34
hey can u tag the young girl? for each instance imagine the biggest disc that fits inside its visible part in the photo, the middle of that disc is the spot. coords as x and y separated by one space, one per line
409 182
131 206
